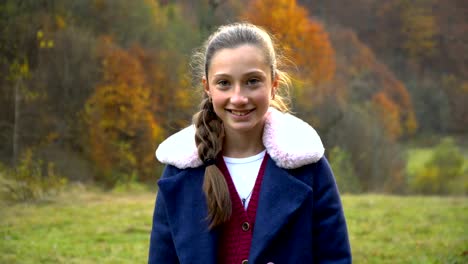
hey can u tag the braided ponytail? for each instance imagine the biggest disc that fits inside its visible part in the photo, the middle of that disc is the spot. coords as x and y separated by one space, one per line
209 140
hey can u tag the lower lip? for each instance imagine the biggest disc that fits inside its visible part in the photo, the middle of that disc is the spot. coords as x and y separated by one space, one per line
242 117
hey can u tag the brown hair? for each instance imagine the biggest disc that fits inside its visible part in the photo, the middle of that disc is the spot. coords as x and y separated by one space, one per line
209 128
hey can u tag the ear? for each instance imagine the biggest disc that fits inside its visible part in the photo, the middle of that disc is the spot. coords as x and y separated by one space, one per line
274 86
205 85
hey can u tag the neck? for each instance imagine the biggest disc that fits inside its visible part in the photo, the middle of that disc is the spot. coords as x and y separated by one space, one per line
239 145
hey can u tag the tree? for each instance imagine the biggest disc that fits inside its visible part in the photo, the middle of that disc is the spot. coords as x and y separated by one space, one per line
304 41
389 113
457 96
122 130
443 172
18 56
375 158
365 79
419 30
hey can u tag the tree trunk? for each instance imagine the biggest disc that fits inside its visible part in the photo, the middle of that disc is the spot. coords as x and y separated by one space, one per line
16 122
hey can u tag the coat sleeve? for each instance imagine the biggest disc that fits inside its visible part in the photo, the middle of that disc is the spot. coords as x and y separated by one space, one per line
161 249
330 242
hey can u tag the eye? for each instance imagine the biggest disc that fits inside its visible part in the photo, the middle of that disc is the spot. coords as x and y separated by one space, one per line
222 83
253 81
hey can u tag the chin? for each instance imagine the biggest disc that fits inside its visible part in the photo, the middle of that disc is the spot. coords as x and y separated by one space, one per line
243 128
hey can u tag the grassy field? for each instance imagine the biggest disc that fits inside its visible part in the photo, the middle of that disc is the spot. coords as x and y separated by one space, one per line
391 229
95 227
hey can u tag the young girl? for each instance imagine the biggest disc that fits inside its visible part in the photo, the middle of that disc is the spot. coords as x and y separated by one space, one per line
247 182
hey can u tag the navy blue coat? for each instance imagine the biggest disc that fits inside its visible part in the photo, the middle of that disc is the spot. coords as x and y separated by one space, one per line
299 218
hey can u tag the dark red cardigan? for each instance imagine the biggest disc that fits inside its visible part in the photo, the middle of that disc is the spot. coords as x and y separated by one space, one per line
236 234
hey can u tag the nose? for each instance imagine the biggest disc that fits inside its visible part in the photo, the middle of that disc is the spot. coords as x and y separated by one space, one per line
238 96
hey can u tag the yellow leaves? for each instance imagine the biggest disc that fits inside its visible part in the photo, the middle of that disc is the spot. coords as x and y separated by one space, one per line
19 70
420 30
51 137
120 66
122 128
60 22
411 124
183 98
464 87
99 5
24 69
44 42
156 10
18 73
305 42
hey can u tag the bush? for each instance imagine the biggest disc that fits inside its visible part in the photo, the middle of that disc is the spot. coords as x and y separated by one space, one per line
376 159
30 180
443 173
343 170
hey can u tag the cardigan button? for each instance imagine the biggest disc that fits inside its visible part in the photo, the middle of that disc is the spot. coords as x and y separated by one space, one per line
245 261
245 226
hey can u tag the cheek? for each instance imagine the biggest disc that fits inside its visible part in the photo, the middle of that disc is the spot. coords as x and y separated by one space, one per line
263 98
218 102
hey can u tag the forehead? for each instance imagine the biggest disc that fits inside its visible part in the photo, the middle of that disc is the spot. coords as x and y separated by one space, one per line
242 58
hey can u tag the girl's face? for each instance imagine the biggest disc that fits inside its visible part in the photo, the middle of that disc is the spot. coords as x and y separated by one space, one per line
240 86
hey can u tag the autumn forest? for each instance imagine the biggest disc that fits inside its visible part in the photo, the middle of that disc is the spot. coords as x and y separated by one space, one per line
89 88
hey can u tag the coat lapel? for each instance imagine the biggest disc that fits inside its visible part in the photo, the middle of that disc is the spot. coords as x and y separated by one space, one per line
281 194
187 211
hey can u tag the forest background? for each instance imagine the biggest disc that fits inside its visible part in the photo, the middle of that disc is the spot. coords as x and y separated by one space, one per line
89 88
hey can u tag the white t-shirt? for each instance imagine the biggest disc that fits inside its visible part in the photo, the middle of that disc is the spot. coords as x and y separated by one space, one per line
244 172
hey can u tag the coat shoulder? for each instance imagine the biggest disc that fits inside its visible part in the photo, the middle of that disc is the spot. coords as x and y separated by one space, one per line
312 172
179 150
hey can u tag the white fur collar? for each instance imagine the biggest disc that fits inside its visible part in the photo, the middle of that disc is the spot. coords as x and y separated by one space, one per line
289 141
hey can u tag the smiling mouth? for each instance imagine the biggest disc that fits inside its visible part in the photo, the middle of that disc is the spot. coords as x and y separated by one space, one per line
240 113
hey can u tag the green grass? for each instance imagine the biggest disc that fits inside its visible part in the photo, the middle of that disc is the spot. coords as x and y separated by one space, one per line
80 228
392 229
95 227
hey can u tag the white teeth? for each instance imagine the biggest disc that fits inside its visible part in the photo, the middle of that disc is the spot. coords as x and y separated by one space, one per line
237 113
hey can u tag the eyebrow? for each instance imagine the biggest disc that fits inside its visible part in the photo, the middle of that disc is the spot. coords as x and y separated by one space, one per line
247 73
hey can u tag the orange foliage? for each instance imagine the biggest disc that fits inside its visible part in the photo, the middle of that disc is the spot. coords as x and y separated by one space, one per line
389 113
304 41
397 92
368 79
122 129
395 106
166 73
